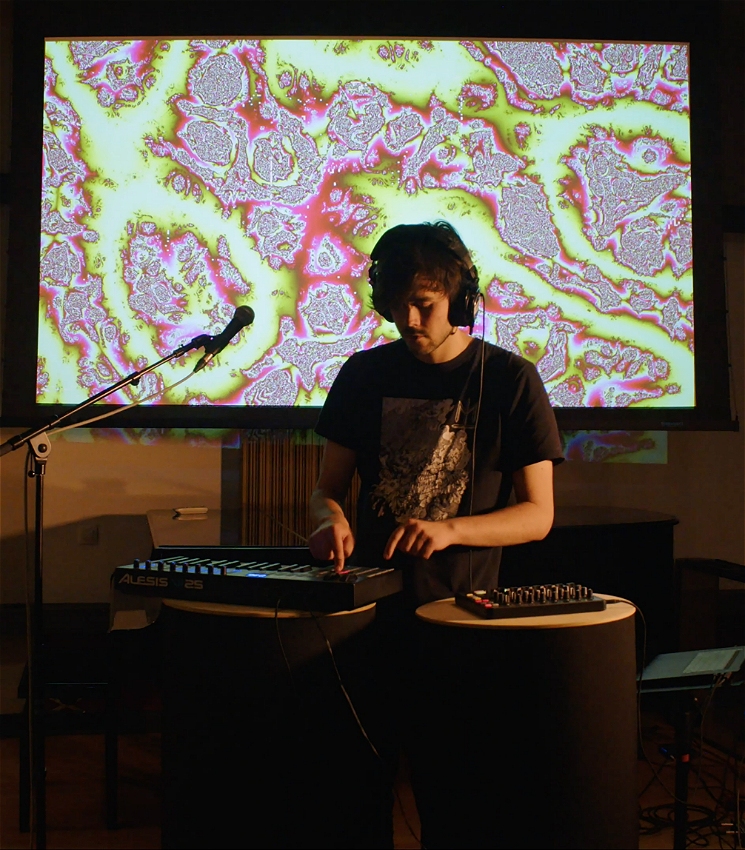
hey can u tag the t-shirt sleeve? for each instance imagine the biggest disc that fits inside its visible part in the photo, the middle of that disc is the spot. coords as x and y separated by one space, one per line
530 430
338 420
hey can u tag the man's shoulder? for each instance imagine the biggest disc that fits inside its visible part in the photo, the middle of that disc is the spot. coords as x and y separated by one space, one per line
378 355
513 364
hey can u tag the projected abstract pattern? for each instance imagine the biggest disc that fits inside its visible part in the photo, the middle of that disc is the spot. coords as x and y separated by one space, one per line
183 178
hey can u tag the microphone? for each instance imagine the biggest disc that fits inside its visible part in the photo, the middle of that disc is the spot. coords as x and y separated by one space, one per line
242 317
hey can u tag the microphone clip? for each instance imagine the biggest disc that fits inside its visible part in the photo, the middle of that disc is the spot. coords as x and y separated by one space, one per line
213 345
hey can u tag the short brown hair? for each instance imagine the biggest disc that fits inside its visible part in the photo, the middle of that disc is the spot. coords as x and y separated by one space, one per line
409 253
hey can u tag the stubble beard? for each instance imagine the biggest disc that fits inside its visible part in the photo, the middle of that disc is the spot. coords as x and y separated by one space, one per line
421 344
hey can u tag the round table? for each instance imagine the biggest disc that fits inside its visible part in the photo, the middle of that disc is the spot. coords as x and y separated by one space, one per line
528 729
259 745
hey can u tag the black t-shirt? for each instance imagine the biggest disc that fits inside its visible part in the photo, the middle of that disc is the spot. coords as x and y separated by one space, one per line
412 425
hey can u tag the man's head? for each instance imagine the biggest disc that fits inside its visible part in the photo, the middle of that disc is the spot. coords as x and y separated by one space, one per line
426 256
423 279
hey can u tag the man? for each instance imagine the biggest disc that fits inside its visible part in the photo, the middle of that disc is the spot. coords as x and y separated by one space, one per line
441 427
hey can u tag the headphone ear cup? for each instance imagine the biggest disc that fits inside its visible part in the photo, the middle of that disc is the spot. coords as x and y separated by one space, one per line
457 312
463 308
469 312
372 277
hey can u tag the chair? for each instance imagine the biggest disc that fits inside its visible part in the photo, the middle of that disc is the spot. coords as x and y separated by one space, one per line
92 683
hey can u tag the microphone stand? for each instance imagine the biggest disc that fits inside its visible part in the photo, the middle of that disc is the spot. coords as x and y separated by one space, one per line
39 448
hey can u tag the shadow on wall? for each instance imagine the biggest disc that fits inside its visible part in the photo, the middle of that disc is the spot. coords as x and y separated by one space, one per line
78 558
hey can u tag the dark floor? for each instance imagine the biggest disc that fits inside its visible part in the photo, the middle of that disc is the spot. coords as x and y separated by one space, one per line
76 805
76 812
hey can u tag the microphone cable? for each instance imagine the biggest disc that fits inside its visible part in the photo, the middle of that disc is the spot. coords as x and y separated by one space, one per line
350 704
362 729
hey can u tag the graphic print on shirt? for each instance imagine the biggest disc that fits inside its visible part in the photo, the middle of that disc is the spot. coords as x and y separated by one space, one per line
423 460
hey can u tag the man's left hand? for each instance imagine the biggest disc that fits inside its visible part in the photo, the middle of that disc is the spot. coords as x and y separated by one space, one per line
420 538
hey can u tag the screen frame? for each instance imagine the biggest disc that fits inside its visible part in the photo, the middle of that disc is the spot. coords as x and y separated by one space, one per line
695 23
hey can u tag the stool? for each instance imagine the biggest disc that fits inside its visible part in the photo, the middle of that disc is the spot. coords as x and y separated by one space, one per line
528 732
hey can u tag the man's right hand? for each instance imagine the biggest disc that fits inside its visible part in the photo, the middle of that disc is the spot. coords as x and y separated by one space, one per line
332 541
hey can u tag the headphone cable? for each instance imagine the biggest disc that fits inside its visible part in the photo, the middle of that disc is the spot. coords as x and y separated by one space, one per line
479 297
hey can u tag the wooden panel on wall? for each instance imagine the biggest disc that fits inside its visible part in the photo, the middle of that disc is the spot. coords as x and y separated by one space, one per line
279 471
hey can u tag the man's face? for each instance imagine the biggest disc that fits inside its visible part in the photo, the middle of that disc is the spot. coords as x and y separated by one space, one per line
422 320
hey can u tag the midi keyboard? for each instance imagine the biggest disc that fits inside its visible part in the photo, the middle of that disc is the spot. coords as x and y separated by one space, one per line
534 600
260 576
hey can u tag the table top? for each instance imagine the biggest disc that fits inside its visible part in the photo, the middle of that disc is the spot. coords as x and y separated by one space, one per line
254 610
444 612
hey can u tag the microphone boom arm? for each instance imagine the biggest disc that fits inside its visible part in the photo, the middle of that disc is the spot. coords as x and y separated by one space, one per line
19 440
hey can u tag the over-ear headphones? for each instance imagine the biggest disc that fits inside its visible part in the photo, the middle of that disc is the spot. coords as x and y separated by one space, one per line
463 305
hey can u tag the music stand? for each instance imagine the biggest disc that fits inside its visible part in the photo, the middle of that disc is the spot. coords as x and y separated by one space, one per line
682 673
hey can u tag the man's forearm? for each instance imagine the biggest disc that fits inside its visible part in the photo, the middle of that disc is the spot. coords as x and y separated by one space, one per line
530 518
322 506
509 526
